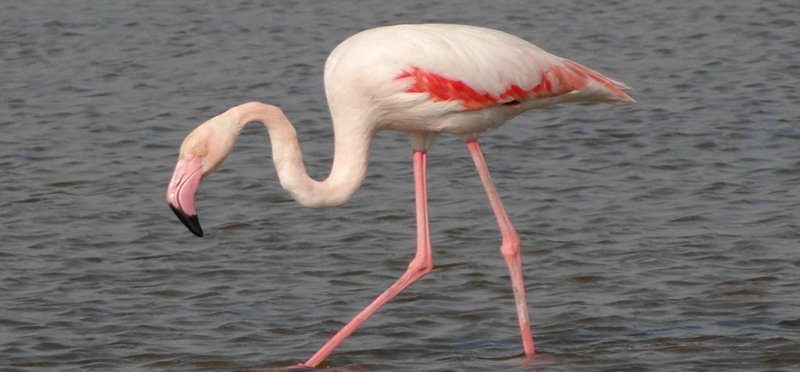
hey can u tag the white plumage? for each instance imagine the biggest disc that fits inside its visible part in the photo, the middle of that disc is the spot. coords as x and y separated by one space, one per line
364 69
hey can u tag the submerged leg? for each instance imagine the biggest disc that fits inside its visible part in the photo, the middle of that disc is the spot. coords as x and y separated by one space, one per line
510 247
419 266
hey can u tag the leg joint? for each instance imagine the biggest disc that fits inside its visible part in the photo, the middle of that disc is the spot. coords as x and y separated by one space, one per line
511 245
420 267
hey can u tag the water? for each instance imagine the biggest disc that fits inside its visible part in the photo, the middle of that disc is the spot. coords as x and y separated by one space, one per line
657 236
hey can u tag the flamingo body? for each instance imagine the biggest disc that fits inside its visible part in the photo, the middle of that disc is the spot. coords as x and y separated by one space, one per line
420 79
427 78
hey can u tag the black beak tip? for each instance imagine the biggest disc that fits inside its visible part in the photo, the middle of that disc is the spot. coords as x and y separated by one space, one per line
194 225
191 222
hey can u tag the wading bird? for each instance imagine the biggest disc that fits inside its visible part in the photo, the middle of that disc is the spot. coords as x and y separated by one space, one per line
419 79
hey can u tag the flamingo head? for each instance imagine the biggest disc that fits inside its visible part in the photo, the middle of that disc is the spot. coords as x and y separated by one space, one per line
201 153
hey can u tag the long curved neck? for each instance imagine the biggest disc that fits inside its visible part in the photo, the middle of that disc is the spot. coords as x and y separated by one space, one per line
351 150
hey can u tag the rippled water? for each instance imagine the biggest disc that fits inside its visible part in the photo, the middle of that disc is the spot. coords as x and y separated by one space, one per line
656 236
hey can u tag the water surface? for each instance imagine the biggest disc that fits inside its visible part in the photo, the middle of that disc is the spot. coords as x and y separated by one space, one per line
656 236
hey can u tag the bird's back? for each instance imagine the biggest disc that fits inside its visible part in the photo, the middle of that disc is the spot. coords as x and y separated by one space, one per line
429 70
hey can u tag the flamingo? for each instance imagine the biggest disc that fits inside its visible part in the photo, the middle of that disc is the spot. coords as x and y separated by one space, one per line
423 80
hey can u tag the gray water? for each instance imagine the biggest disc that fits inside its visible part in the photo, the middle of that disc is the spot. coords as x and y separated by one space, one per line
661 235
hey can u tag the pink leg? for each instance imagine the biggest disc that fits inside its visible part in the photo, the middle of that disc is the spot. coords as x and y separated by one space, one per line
510 247
419 266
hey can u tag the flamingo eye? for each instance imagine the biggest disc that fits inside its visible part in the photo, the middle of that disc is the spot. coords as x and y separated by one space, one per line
199 151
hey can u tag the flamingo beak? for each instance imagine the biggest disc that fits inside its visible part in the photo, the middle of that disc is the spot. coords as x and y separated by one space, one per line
182 190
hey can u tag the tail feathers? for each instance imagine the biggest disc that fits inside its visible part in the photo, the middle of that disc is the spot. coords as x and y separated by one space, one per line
573 73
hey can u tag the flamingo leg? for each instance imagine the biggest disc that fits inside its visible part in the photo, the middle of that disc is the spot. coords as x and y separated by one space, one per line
419 266
510 247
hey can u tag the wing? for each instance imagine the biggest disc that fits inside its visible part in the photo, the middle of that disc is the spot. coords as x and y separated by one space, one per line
474 66
482 68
